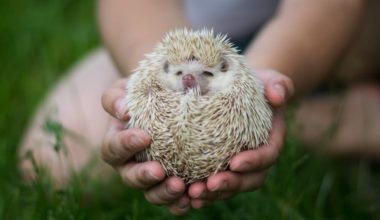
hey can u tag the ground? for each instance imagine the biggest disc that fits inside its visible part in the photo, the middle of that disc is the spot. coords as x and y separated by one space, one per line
41 40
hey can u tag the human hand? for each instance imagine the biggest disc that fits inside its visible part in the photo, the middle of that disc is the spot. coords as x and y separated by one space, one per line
119 148
248 169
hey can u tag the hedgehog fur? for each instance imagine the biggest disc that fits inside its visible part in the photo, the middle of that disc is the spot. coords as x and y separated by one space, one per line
193 135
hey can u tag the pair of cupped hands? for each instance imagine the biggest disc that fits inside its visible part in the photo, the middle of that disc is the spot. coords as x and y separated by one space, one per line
247 170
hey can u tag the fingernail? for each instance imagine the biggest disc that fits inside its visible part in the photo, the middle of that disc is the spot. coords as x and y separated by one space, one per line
121 108
280 89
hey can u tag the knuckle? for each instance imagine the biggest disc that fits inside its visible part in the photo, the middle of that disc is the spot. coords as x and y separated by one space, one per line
125 177
108 155
153 196
128 142
168 196
121 148
105 99
148 197
141 176
111 152
134 184
129 179
132 142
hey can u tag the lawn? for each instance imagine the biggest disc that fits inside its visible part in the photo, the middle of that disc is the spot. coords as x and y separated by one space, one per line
41 40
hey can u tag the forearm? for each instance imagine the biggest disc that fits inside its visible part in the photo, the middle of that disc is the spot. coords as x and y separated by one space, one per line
131 28
305 39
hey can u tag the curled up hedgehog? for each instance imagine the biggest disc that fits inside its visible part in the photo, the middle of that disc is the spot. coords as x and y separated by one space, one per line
198 100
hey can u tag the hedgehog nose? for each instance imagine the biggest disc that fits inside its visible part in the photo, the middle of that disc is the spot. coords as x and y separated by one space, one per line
188 77
188 81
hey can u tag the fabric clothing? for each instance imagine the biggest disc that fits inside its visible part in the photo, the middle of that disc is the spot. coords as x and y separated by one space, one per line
240 19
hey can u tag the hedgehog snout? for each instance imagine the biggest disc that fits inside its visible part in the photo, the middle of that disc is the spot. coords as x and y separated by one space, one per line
188 81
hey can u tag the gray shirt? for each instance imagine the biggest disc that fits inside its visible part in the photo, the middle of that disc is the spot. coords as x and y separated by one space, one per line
237 18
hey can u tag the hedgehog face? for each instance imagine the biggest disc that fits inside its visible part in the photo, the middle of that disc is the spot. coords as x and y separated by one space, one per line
192 74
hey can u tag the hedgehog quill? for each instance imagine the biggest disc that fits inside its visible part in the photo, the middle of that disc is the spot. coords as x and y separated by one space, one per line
198 100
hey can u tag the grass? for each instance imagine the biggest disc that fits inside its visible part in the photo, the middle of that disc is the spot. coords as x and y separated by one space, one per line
40 40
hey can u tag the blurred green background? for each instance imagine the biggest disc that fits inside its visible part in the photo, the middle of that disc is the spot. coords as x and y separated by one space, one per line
40 40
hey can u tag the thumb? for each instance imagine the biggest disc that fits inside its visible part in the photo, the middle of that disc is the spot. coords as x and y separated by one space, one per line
278 88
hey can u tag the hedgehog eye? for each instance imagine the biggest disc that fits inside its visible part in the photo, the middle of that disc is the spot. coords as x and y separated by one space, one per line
207 73
166 66
224 66
178 73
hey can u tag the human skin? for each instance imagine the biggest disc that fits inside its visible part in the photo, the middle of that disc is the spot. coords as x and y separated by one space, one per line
127 30
250 167
307 38
295 32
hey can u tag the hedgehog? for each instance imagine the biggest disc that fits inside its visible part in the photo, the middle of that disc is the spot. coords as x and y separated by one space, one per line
198 100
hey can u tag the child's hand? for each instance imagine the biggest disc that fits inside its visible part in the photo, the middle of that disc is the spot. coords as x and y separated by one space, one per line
119 148
248 169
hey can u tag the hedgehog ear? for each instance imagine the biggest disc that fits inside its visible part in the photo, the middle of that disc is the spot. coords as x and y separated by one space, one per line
166 66
224 65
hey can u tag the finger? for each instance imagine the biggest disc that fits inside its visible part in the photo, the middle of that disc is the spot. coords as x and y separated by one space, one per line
278 87
197 190
119 146
219 195
113 100
279 91
235 182
181 207
142 175
122 83
199 203
264 156
215 195
166 192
